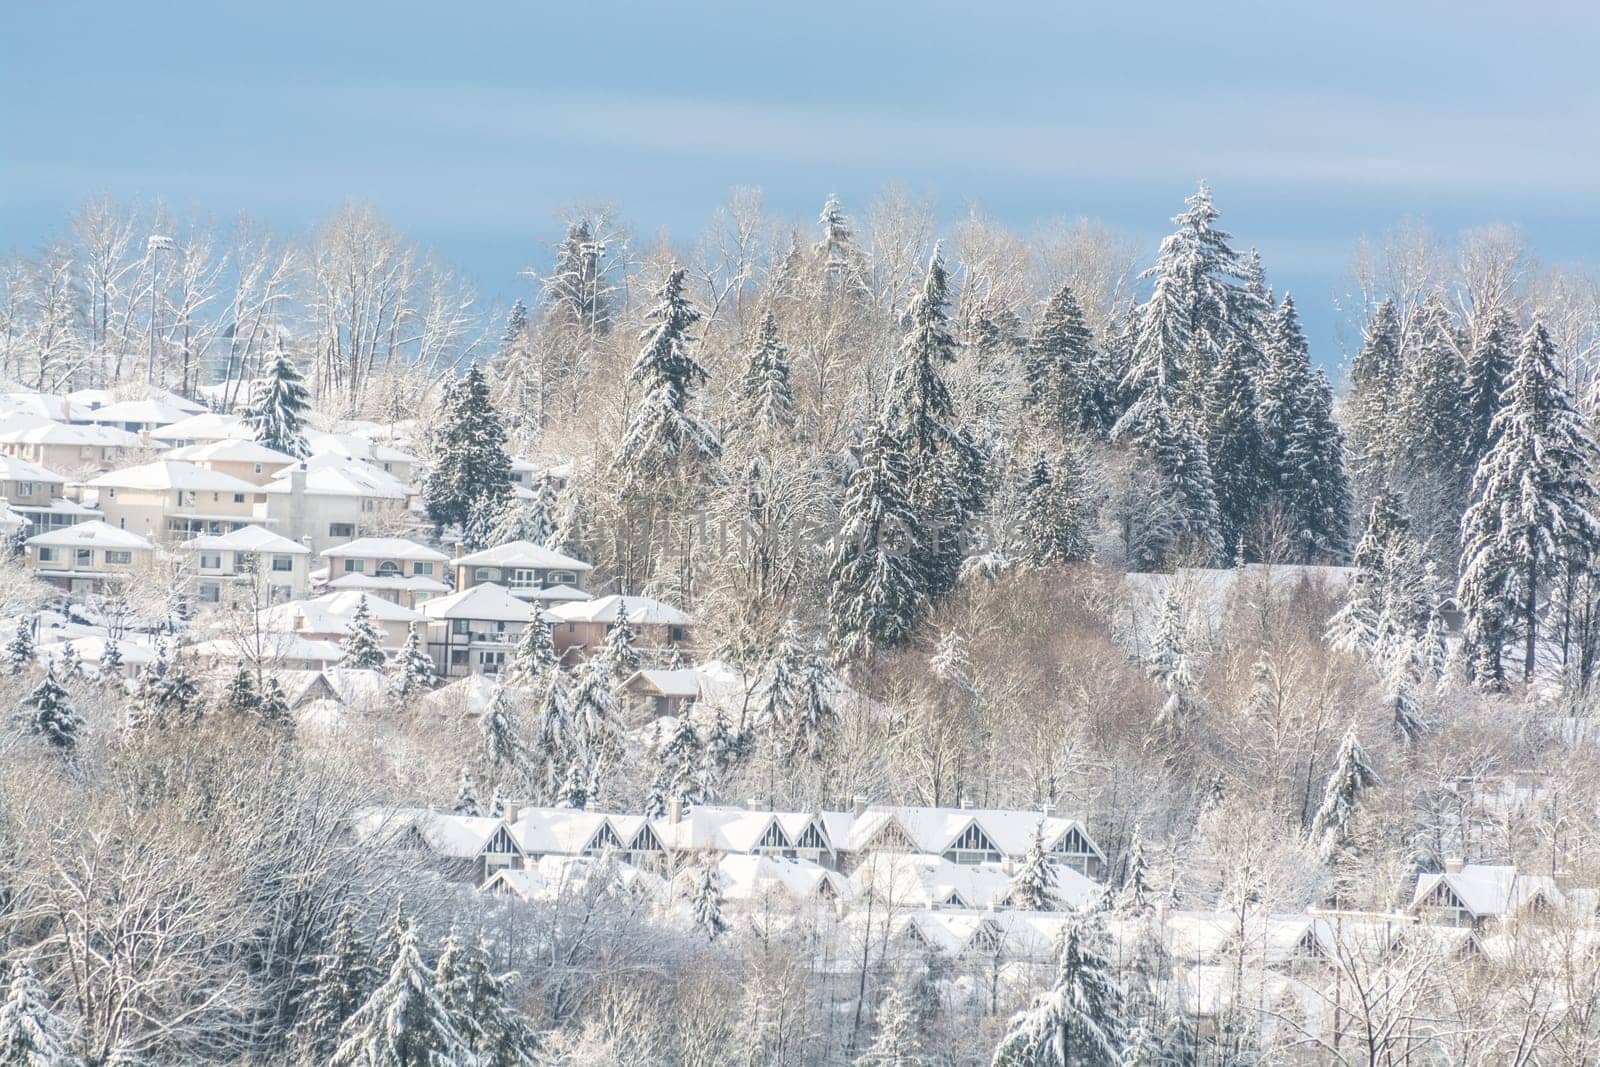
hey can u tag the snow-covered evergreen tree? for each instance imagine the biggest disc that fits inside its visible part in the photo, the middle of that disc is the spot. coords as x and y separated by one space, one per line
896 1043
1341 799
1168 665
1135 896
534 656
877 598
621 659
837 255
1241 470
1488 370
471 469
47 713
403 1022
577 292
411 670
1428 426
665 430
340 985
274 711
705 901
467 795
241 697
31 1033
504 751
360 646
1532 511
1372 400
1078 1021
20 651
1033 886
1050 525
478 1002
166 695
279 408
1066 379
766 397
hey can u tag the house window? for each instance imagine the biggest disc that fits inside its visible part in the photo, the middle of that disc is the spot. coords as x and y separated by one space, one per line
388 569
458 657
258 468
355 566
562 578
523 578
774 840
482 574
460 626
24 488
111 492
117 555
211 561
342 529
46 555
973 846
210 592
605 838
422 568
491 662
676 633
283 563
238 498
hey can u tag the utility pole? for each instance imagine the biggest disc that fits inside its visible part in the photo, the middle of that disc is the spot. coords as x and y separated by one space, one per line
156 243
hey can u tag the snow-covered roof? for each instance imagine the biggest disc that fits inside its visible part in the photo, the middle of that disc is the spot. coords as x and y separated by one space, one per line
325 480
378 583
726 829
151 412
750 878
148 392
231 450
58 433
92 534
935 830
523 554
385 548
44 406
684 682
274 648
249 539
173 474
555 594
13 469
355 446
1490 890
207 426
642 611
11 521
489 602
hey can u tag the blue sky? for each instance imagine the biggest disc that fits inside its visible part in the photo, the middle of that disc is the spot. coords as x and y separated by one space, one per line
470 125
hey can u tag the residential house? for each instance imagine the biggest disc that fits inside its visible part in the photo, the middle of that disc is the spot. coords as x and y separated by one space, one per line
246 460
250 555
203 429
328 617
1473 895
963 835
73 449
173 498
392 568
653 694
138 416
39 496
531 572
582 625
321 504
81 559
473 631
347 448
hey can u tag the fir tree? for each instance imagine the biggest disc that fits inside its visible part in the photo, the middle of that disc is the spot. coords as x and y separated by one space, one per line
664 431
1532 508
67 666
705 901
896 1043
19 653
681 759
1341 799
1134 897
876 599
279 408
1168 666
766 398
166 695
339 987
31 1033
241 697
403 1022
467 795
411 670
534 657
477 1001
1433 471
574 791
360 646
471 468
1050 526
111 659
1033 886
1373 398
838 256
620 657
576 291
1241 467
274 711
1065 377
552 743
1078 1021
47 713
503 747
1488 370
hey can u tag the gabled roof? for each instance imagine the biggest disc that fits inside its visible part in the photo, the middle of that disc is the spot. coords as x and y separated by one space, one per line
93 534
523 554
345 603
44 406
1486 890
153 412
935 830
249 539
685 682
58 433
149 392
642 611
336 481
173 474
411 583
489 602
207 426
13 469
385 548
231 450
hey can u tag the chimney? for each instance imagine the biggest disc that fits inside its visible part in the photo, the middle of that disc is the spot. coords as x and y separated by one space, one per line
675 809
510 812
858 805
1452 866
1047 809
461 549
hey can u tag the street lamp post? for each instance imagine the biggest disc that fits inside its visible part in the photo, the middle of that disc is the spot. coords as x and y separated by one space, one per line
156 243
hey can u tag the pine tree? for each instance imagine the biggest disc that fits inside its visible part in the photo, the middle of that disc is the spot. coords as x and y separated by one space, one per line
574 791
19 653
1433 471
1532 507
876 597
1078 1021
896 1043
403 1023
665 432
503 747
477 1002
576 291
411 670
814 713
945 467
166 695
766 397
553 741
111 659
241 697
47 713
534 657
1065 376
620 657
471 468
340 985
1352 775
274 711
1133 898
1488 370
1241 467
1033 886
279 408
837 255
467 795
1373 398
1168 665
67 666
31 1033
360 646
1167 441
705 901
1050 527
